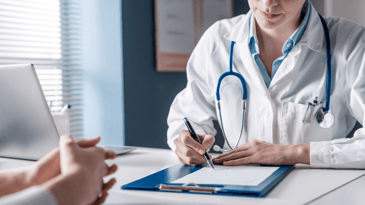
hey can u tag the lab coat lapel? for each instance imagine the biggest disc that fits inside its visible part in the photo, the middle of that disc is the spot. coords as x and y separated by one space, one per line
250 72
287 65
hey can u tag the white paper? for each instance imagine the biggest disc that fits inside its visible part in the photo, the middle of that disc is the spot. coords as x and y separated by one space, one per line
229 175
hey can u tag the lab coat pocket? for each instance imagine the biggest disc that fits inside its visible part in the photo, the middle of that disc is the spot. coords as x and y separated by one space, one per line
292 128
291 125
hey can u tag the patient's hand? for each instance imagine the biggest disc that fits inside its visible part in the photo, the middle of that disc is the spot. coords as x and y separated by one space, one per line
82 172
46 169
48 166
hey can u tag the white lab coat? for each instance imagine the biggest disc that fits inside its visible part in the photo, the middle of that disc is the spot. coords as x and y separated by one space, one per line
275 114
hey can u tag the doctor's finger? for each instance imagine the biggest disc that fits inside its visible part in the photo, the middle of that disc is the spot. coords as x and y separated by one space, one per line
188 161
241 161
236 150
188 141
189 156
232 156
207 141
192 161
189 152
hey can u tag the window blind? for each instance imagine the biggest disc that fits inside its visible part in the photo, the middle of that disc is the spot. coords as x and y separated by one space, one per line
47 34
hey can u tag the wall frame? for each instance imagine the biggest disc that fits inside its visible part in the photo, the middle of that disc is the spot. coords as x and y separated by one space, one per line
179 25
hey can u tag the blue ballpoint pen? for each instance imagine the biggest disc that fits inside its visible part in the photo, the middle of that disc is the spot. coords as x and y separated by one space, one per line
196 138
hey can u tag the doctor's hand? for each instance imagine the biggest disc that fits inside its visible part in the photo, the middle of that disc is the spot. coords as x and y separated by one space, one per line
82 172
259 152
189 151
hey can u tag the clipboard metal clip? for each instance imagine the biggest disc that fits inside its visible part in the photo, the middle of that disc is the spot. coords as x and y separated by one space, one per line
186 188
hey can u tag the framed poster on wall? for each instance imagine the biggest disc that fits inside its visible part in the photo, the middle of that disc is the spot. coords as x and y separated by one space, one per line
179 26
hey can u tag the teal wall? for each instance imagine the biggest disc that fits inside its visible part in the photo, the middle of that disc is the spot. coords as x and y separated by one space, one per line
102 74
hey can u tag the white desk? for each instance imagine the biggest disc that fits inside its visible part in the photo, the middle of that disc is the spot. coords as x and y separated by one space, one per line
301 186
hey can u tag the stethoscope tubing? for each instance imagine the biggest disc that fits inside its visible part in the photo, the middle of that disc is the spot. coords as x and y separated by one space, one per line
326 109
230 72
329 66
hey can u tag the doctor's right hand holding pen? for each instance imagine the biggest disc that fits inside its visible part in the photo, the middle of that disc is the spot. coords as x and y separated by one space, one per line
189 151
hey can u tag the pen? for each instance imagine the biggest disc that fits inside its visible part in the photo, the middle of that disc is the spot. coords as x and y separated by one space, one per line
196 138
67 106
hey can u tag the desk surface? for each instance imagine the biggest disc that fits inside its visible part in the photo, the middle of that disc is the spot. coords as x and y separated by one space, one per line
301 186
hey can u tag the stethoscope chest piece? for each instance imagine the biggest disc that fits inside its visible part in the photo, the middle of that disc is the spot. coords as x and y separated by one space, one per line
325 119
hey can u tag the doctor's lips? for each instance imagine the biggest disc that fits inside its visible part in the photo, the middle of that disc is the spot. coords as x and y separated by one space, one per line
270 16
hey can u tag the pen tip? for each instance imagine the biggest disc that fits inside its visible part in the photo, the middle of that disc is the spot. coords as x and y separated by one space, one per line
211 164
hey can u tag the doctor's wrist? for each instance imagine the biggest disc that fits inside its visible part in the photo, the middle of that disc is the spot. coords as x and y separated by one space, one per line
301 153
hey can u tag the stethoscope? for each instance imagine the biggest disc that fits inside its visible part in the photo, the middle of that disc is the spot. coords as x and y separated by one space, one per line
324 116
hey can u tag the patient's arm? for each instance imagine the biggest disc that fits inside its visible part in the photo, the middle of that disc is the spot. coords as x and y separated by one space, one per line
41 171
13 181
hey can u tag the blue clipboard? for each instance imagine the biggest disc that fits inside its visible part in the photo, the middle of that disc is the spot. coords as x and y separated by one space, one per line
161 181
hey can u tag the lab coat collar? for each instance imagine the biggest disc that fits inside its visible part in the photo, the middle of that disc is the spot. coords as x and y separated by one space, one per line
313 36
239 32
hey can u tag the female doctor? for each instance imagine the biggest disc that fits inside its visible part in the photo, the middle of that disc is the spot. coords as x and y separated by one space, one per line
285 85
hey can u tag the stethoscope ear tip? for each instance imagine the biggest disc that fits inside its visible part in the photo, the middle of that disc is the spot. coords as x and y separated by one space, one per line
219 149
216 148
